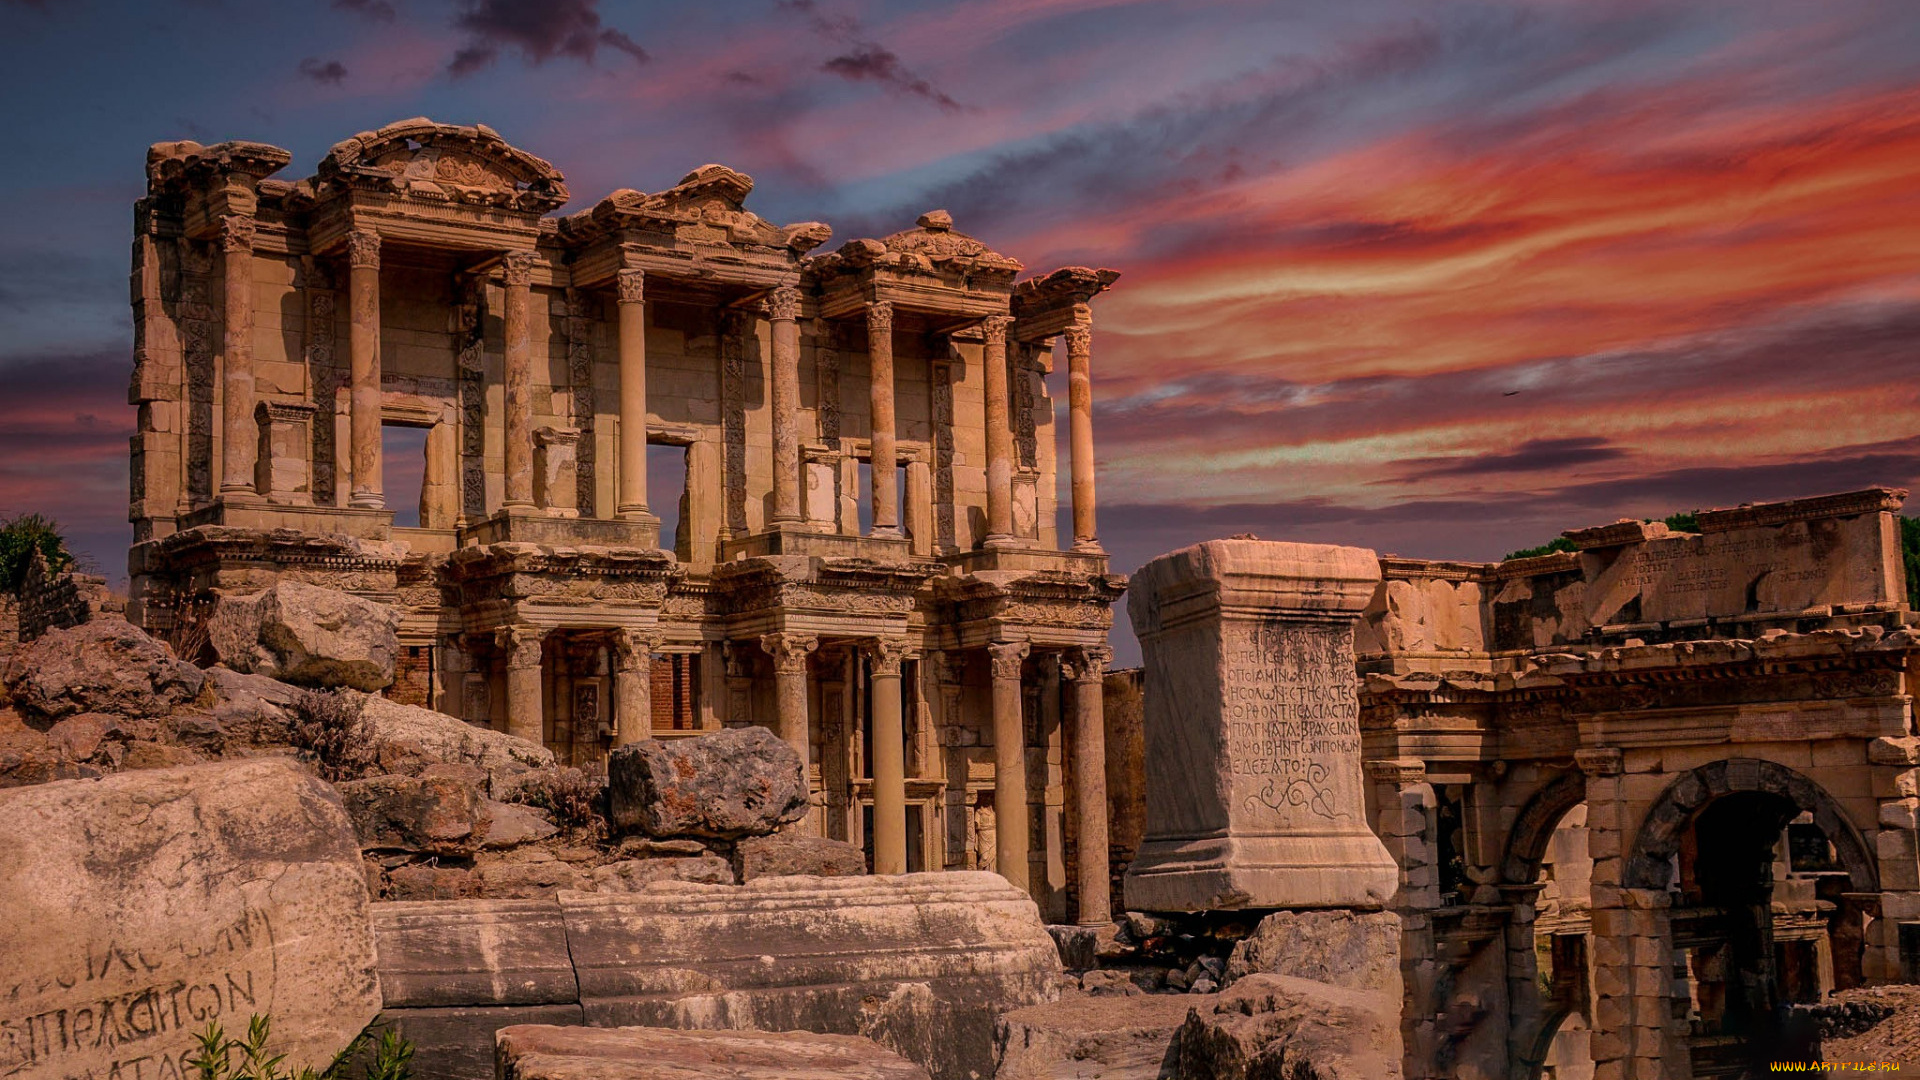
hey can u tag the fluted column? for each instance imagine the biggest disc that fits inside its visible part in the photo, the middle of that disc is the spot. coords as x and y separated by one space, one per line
238 432
363 348
889 758
1087 671
886 489
789 652
632 687
1009 763
999 438
784 308
518 270
1080 429
526 711
633 395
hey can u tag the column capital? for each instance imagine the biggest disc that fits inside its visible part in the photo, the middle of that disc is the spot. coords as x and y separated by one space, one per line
995 328
1599 761
517 266
880 317
633 648
521 644
236 234
1079 338
783 304
1087 663
632 285
886 654
363 249
789 650
1007 656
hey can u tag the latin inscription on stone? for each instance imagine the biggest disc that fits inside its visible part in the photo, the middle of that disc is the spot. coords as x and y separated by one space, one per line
1293 719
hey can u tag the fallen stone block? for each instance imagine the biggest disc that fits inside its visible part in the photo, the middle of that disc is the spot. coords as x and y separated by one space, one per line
1359 950
142 905
1280 1026
106 665
1091 1038
408 740
735 783
1078 945
307 635
432 815
635 1053
512 824
632 875
787 855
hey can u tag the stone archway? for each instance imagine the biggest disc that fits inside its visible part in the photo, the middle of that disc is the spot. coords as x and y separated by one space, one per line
1533 829
1648 866
1533 1018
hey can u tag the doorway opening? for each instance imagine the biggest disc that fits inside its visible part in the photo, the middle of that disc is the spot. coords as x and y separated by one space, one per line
403 470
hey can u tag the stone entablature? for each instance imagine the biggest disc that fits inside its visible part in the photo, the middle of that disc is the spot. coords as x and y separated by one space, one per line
426 277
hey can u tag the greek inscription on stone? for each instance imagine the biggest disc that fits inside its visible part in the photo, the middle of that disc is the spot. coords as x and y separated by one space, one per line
1292 708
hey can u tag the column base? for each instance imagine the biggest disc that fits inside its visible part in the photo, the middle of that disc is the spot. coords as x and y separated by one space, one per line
1334 870
1088 546
363 501
241 497
641 513
1002 540
889 532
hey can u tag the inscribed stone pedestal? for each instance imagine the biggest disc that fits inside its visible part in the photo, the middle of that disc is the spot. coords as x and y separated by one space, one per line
142 906
1254 796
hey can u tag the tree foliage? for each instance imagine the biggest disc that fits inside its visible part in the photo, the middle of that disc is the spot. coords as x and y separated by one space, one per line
223 1057
1684 521
1910 558
20 537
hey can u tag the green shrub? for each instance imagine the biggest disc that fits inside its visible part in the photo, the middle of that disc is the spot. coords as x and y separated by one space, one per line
20 537
224 1058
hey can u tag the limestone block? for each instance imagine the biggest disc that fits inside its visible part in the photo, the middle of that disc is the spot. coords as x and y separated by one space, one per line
142 905
789 853
104 665
1357 950
632 875
408 740
1274 1025
511 824
307 635
739 782
539 1052
1255 796
1090 1038
476 952
432 815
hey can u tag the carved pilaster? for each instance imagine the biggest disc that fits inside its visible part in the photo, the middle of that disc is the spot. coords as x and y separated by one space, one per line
826 379
580 375
322 376
469 321
943 510
733 419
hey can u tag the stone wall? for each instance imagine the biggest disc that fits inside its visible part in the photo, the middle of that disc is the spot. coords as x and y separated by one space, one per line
52 601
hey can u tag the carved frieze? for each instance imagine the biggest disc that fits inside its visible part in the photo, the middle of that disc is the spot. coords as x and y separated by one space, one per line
733 418
943 512
579 328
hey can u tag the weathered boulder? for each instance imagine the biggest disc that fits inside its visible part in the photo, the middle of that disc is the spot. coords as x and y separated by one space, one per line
106 665
1090 1038
1359 950
143 905
1281 1027
407 740
786 854
632 875
251 710
526 873
513 824
432 815
542 1052
1078 945
307 635
740 782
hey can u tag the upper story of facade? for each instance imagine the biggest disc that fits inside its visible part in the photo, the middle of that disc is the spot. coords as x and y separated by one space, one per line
886 400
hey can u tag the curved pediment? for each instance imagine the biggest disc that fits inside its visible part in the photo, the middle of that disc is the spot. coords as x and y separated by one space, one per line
420 159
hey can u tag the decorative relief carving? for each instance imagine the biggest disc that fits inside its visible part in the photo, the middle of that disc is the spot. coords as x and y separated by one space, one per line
470 350
789 651
580 374
1007 657
880 318
1085 664
784 304
1026 398
886 654
826 371
196 341
943 519
363 249
995 328
632 286
633 650
236 234
323 377
517 269
733 418
1079 340
521 645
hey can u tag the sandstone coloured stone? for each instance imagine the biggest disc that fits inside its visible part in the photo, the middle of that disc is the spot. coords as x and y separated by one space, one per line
1282 1027
512 824
1090 1038
1359 950
1252 722
532 1052
735 783
407 740
141 906
785 854
307 635
435 815
632 875
103 666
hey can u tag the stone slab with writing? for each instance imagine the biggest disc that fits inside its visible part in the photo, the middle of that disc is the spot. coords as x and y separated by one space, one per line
1252 721
142 906
540 1052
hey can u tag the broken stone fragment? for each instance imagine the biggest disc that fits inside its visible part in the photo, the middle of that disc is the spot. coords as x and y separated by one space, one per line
785 854
106 665
735 783
632 875
1112 1038
1276 1025
307 635
408 740
512 824
541 1052
433 815
1359 950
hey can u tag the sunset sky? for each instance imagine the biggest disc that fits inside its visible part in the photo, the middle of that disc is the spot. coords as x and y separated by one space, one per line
1437 278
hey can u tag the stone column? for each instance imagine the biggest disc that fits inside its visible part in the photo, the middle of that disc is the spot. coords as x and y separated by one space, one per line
238 432
632 687
1009 763
363 349
633 396
889 758
789 652
784 306
518 268
1404 802
1087 670
526 713
1080 426
999 441
886 490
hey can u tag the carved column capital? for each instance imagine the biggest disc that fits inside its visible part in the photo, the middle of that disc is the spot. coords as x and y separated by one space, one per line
995 328
521 644
886 654
1085 664
236 234
784 303
1601 761
880 317
1007 657
1079 339
789 650
633 286
633 649
363 249
517 266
